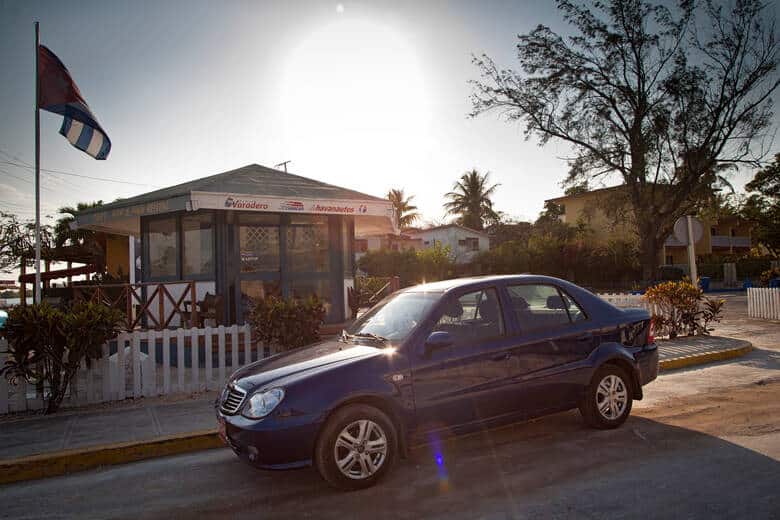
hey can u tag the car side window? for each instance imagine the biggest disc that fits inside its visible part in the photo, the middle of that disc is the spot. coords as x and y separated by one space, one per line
472 317
542 307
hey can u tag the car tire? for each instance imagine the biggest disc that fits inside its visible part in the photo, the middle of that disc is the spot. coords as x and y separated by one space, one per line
364 462
608 398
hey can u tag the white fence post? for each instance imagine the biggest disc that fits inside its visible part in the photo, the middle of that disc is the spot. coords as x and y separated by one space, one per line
221 340
166 361
247 344
233 348
120 366
136 359
180 360
150 371
105 370
194 336
208 355
764 302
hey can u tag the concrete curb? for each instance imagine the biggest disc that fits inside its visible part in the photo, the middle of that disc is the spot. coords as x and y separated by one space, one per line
703 358
70 461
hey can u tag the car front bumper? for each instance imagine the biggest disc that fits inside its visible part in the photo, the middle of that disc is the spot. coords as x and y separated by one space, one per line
272 442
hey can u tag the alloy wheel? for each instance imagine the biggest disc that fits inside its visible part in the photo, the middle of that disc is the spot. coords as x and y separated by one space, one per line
360 449
611 397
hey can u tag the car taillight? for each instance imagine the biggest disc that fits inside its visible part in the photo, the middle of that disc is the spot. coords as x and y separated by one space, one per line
651 333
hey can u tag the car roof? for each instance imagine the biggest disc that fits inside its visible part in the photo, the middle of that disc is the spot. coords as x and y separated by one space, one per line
459 283
592 304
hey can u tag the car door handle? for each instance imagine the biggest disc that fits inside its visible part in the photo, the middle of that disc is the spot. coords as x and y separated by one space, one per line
502 357
585 337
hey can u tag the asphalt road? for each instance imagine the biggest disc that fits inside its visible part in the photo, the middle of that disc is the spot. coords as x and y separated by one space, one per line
711 455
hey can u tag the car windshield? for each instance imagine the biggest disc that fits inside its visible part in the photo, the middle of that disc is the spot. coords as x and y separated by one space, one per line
395 318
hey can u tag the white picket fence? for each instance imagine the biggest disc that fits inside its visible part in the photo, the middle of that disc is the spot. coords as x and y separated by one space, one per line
175 361
627 301
764 302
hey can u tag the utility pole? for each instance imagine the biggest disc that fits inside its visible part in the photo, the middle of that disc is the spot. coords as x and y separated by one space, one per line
283 164
37 292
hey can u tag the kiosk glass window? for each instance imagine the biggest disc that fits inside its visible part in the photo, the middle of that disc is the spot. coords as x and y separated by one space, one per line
259 243
308 245
198 231
163 247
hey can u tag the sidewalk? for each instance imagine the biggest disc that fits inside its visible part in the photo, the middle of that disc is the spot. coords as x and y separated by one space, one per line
698 350
69 430
41 446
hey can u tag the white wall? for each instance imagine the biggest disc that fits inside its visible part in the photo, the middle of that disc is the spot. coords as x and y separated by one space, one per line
450 236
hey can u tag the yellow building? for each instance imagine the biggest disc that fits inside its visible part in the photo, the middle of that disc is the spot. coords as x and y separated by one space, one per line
607 214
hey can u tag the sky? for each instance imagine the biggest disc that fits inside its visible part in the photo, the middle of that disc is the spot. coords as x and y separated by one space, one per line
369 95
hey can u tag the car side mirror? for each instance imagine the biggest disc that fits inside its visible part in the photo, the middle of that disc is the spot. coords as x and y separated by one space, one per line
438 340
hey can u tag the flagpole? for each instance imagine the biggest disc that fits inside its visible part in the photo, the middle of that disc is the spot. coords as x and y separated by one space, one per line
37 292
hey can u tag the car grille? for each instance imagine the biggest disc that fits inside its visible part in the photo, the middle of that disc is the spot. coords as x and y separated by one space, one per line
232 399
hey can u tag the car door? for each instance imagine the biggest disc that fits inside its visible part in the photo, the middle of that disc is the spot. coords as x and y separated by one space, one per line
554 337
462 383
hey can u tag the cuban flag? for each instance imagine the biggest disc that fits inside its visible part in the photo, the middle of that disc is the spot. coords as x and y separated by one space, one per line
58 93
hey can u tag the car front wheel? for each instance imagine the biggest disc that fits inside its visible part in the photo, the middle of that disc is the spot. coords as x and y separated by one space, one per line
356 448
608 398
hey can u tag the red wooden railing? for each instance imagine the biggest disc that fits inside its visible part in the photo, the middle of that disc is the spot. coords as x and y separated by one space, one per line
130 299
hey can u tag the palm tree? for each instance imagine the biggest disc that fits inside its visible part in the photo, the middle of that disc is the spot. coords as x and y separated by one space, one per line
470 200
62 231
405 213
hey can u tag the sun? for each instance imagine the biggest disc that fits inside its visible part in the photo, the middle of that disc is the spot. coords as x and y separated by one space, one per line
353 83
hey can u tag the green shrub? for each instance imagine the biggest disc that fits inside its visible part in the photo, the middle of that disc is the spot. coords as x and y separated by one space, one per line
769 274
681 308
368 287
713 271
412 267
670 273
752 267
288 323
47 345
575 260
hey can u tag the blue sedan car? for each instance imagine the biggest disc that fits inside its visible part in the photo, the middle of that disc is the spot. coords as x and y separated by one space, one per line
435 360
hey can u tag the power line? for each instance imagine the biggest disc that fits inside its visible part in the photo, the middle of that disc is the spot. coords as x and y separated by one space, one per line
104 179
30 181
15 158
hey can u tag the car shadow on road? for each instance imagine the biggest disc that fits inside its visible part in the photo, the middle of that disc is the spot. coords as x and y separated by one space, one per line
548 467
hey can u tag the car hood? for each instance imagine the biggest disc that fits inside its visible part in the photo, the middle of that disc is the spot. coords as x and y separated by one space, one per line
300 362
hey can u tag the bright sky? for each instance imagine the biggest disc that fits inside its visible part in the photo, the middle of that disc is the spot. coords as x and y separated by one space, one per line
366 95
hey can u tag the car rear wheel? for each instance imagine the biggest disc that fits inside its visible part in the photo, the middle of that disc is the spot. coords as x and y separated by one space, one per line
608 398
356 448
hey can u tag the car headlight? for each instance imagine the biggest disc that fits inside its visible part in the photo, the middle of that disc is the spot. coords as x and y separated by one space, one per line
262 403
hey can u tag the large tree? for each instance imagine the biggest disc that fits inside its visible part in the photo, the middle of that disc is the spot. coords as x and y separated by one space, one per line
767 180
762 207
470 200
660 98
406 213
17 242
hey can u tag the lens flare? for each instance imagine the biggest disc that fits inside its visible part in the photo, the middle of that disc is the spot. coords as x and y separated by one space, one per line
441 468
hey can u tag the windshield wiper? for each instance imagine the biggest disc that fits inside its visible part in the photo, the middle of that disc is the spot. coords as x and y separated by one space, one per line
369 335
